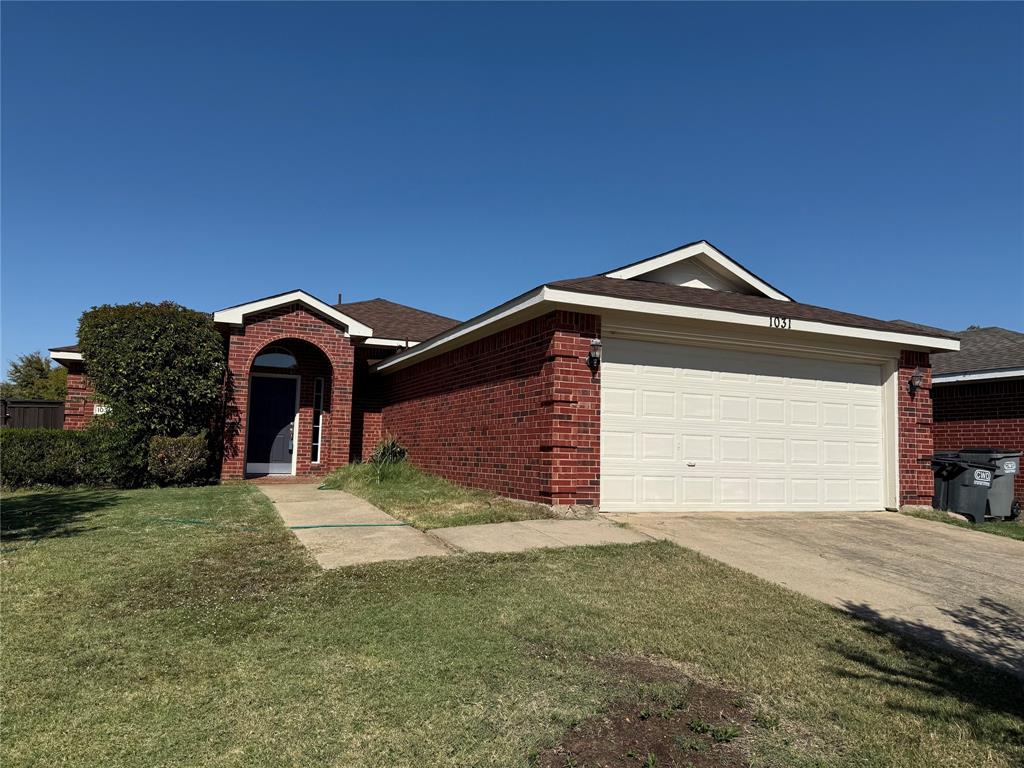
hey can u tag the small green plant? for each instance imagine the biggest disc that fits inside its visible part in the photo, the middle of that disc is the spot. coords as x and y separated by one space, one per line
699 726
725 733
650 761
388 454
767 720
690 744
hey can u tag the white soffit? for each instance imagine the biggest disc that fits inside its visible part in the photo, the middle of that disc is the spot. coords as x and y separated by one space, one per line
236 315
707 251
65 356
998 373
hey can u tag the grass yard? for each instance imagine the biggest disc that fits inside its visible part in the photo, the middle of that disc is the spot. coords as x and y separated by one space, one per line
1013 529
188 628
428 501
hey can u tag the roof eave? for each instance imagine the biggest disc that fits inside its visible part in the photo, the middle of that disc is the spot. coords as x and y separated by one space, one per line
540 299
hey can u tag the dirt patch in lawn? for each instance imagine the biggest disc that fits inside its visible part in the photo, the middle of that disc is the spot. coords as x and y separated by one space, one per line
700 727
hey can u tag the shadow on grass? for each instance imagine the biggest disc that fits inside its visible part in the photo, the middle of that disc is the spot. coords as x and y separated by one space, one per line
50 515
989 680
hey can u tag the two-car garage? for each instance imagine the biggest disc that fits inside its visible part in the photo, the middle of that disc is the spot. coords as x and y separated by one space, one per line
688 427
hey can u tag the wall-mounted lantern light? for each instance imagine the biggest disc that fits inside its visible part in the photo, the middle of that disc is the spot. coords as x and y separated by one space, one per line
916 380
594 358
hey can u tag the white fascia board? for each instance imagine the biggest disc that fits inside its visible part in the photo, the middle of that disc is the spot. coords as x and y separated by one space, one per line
999 373
459 333
611 303
69 356
236 315
373 341
489 322
706 249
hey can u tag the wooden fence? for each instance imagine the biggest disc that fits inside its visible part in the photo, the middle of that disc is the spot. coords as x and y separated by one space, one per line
31 414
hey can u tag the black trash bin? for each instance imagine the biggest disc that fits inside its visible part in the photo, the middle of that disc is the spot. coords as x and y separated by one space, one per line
1005 466
962 485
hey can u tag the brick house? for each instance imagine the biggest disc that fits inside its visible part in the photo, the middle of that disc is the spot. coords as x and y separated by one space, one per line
682 381
978 394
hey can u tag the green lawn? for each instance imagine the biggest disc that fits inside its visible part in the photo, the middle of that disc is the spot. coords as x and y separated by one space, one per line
428 501
188 628
1013 529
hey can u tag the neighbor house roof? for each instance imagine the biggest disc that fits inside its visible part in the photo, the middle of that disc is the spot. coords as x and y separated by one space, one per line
984 353
391 320
641 290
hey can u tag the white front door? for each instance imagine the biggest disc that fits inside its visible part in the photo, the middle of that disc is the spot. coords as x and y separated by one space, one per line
698 428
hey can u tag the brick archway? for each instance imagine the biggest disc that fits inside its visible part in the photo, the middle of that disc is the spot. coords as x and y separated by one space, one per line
324 351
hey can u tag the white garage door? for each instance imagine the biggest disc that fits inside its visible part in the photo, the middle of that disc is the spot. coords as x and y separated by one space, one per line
691 428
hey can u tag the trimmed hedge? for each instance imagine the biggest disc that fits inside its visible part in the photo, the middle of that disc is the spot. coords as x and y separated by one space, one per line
181 460
102 455
48 457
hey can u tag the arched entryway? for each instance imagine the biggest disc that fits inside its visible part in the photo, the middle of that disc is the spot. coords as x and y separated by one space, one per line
289 405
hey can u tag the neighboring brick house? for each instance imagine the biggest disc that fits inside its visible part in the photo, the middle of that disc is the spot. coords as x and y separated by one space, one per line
978 394
679 382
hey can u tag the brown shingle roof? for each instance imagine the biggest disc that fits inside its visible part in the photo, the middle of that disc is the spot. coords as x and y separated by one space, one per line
641 290
982 349
397 321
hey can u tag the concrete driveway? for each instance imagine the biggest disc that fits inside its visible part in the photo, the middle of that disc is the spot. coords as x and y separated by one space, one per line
954 588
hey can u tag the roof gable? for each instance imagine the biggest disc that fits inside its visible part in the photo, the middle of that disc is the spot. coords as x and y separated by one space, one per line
698 265
236 315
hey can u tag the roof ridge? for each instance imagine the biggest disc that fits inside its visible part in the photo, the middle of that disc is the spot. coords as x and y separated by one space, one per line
397 304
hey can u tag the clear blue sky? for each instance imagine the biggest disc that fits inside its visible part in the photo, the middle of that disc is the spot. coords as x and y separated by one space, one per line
864 157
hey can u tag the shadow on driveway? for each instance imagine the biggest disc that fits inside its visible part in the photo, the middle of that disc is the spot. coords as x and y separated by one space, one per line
933 663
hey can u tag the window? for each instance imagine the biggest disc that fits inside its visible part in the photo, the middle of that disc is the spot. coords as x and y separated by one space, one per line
276 357
318 415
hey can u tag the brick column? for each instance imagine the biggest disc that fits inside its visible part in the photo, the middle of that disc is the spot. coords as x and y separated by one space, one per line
573 444
80 398
915 438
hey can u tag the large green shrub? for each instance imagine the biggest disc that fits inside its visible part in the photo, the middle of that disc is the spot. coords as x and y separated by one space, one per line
158 367
181 460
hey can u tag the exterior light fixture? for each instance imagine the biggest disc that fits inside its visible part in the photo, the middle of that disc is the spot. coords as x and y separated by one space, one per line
594 358
916 380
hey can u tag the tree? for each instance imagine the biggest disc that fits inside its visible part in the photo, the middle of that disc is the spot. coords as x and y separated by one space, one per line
158 367
31 377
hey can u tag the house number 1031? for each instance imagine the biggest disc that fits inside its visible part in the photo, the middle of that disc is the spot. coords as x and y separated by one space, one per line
780 322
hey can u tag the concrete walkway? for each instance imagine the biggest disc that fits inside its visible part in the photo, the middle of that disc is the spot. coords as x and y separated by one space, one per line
340 529
953 588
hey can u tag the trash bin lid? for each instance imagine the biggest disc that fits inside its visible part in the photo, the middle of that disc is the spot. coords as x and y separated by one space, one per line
990 454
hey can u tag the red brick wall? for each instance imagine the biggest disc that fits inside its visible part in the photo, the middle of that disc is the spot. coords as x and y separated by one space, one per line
280 325
915 438
981 415
516 413
80 399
